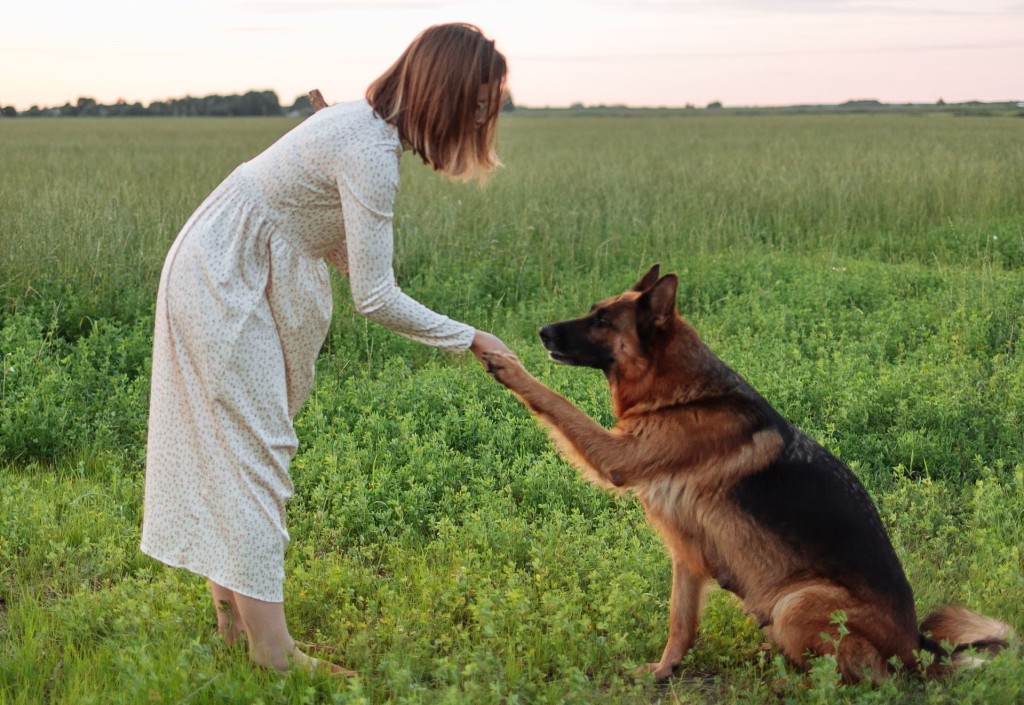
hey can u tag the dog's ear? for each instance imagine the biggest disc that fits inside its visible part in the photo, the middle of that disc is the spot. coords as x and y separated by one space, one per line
648 280
659 301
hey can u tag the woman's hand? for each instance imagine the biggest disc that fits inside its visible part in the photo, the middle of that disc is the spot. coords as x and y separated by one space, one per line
486 343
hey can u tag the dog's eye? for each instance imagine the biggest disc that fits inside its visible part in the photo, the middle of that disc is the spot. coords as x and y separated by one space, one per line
600 321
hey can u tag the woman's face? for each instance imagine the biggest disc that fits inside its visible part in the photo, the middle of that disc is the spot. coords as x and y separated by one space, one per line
483 103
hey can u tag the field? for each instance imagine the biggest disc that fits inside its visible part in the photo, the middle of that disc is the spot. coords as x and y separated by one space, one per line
864 272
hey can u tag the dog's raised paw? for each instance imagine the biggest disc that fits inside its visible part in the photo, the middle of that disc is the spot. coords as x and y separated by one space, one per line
492 362
495 362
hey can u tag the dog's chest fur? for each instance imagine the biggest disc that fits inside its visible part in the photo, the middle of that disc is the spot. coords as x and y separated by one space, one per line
692 507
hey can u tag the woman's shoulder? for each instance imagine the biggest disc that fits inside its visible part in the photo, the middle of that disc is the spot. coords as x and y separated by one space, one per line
360 149
357 116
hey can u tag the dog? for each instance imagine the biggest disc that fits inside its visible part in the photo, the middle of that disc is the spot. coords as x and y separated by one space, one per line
739 495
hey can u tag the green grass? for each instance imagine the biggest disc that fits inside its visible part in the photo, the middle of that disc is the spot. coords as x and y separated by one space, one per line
866 273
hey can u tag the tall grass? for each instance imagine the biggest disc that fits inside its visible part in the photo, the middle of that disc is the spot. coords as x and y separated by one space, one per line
866 273
93 204
88 207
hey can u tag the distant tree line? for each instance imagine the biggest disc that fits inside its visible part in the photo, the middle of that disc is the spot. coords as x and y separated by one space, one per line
256 103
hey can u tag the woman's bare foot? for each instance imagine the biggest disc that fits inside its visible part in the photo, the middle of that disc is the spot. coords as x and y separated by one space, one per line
297 659
315 665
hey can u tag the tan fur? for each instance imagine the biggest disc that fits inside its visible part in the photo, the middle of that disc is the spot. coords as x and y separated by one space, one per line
958 625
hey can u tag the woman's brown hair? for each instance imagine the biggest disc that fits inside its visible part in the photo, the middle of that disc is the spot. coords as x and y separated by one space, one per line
430 95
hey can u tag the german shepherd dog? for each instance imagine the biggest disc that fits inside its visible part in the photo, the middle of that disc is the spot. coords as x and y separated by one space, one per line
739 495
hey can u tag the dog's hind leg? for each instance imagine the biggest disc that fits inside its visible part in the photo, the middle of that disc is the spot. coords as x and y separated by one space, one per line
803 626
683 617
859 659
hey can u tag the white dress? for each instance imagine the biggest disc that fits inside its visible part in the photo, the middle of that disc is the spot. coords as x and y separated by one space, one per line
242 310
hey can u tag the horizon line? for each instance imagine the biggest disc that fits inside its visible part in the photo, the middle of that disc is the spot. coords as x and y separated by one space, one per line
581 105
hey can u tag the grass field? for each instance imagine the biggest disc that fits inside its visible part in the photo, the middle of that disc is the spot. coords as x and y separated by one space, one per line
864 272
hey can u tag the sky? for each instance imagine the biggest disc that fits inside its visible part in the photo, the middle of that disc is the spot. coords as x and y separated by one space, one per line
560 52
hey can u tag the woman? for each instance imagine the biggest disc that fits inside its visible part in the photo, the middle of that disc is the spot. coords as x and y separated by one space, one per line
244 305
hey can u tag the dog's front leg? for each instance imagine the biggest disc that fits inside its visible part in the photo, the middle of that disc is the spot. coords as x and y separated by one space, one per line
683 618
608 458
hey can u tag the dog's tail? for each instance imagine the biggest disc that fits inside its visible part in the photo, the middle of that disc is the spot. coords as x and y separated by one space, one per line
966 633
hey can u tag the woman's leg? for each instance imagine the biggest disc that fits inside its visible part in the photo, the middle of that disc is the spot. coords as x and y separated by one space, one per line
263 623
270 644
230 624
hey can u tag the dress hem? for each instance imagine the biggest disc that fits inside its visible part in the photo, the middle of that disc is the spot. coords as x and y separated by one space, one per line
209 575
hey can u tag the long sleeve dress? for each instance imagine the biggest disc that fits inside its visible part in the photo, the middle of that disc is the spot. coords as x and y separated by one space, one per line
242 310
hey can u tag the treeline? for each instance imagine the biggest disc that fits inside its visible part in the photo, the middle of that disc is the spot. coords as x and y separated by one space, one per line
253 103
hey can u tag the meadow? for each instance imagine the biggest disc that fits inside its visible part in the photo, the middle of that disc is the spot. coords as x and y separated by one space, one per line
864 272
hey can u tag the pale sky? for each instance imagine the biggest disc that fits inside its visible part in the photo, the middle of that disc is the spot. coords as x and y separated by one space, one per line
633 52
